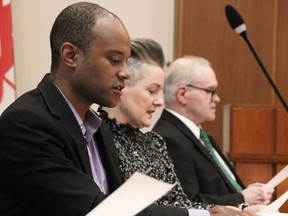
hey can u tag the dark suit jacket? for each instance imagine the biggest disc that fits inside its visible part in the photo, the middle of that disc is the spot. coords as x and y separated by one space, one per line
44 164
199 175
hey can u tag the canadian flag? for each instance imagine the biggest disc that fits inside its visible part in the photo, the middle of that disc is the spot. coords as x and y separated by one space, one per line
7 85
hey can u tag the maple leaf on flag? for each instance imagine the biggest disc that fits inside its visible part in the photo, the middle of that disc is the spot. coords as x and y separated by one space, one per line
6 45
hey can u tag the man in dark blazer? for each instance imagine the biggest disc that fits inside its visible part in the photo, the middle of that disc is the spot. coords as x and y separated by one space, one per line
45 168
56 157
190 98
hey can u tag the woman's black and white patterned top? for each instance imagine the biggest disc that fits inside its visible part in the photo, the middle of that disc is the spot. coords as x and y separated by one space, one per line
147 153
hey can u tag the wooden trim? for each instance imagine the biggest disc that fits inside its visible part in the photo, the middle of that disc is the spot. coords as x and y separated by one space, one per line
178 39
274 49
254 158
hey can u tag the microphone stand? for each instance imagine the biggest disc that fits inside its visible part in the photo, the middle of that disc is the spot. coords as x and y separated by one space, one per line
244 36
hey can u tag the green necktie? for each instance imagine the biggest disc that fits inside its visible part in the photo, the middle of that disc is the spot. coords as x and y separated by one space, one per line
204 137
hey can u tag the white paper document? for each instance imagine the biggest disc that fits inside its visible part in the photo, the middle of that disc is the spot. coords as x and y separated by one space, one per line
272 209
138 192
279 177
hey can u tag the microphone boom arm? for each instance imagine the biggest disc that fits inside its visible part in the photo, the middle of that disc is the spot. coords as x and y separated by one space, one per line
237 24
244 36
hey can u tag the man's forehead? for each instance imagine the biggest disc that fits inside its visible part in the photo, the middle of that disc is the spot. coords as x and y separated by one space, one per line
107 19
110 31
110 27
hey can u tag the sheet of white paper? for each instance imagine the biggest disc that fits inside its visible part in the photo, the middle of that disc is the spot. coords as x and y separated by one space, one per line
133 196
274 206
279 177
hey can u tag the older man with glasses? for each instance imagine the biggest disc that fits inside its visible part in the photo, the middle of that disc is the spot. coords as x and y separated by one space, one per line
205 174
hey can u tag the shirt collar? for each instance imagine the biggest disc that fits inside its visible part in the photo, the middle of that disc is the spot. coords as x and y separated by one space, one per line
191 125
91 121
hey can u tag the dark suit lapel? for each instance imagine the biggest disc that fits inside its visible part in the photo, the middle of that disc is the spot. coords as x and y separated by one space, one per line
188 133
61 110
71 126
109 156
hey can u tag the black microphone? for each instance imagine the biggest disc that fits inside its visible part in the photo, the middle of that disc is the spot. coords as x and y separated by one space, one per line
237 24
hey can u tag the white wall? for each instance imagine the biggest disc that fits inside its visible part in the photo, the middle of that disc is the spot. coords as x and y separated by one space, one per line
33 19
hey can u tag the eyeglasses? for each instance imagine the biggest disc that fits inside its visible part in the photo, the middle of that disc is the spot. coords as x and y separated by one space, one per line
212 92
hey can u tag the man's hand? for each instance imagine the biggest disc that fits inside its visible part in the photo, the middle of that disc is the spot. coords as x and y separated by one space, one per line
255 208
258 193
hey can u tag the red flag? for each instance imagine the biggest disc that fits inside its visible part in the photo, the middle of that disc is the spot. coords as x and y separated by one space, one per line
7 85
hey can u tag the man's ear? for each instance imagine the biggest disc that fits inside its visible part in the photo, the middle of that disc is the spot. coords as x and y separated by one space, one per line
69 53
180 94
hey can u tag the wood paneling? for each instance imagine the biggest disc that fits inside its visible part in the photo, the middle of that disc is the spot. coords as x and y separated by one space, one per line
281 54
256 142
282 133
251 135
201 29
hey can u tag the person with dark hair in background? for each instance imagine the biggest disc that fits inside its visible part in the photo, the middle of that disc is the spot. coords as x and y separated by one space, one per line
190 95
56 156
